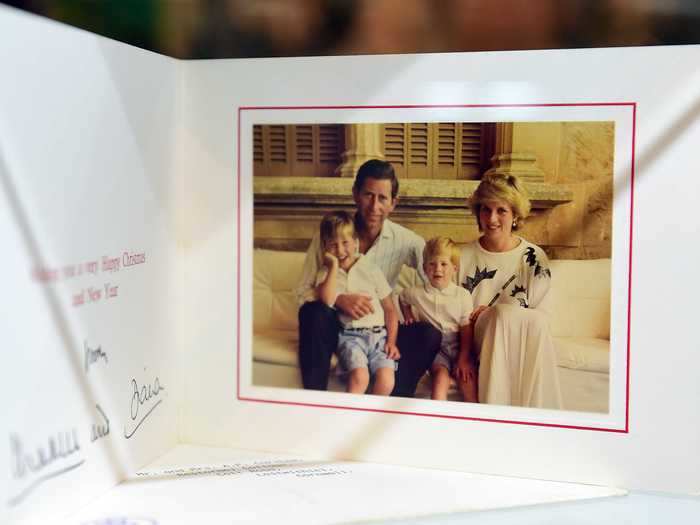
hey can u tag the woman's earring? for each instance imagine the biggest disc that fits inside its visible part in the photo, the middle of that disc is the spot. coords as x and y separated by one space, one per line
515 223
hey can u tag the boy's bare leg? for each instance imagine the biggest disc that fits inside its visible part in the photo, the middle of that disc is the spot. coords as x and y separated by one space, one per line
383 382
441 382
470 388
358 381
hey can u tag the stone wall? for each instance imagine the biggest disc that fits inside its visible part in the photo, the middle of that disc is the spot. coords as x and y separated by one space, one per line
577 156
288 209
572 215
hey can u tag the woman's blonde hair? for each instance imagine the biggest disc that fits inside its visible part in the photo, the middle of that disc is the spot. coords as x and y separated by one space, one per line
439 246
498 186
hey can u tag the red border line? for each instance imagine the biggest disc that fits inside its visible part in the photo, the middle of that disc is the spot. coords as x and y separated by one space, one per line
238 260
446 106
442 416
633 105
629 275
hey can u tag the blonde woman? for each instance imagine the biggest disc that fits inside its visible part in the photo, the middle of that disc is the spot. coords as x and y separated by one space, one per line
509 280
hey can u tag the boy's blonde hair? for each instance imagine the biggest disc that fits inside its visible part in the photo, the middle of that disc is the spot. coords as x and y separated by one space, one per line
334 222
508 188
441 246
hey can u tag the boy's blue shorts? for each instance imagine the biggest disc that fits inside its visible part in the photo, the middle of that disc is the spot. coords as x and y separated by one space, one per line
363 348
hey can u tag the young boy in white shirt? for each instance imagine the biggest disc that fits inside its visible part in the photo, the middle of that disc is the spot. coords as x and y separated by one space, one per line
366 345
447 307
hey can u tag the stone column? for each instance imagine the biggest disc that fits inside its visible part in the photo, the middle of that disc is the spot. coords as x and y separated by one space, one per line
512 154
362 143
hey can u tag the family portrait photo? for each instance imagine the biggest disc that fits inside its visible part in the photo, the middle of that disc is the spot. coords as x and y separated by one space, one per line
467 262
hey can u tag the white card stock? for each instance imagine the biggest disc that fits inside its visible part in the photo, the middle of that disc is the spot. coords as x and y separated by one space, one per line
126 214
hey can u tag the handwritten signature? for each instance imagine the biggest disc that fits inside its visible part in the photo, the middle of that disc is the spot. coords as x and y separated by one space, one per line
141 396
101 430
92 355
58 447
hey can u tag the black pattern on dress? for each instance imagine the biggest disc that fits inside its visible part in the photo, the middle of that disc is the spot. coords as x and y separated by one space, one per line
531 259
541 271
518 289
479 275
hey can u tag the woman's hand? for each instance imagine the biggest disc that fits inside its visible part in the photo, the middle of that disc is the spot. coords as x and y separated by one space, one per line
477 312
465 370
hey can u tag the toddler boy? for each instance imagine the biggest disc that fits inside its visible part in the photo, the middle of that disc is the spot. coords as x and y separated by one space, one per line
447 307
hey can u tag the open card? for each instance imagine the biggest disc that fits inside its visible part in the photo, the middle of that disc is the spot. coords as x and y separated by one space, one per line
154 215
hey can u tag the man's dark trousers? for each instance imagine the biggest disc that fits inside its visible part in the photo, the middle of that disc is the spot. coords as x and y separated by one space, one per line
318 338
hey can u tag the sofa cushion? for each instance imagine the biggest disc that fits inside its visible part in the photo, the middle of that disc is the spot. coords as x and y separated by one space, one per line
580 317
278 347
276 275
583 353
581 298
275 346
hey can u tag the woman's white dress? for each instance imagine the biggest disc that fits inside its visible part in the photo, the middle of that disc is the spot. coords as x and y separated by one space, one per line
516 353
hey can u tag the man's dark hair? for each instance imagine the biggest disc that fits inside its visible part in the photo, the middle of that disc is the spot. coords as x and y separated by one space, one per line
376 169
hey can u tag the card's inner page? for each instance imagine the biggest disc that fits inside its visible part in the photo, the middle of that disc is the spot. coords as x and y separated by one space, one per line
225 485
94 136
90 288
603 391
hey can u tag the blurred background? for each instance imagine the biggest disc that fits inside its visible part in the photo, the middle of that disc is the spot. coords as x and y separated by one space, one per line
190 29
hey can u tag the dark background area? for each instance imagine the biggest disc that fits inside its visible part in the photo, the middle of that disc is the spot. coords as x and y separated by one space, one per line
192 29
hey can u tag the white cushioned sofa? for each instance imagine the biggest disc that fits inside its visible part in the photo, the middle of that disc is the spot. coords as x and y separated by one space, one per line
580 325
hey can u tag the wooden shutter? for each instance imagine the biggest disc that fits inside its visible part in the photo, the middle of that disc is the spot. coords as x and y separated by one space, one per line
331 145
470 158
276 140
445 147
271 150
442 150
278 143
394 147
418 154
302 150
257 145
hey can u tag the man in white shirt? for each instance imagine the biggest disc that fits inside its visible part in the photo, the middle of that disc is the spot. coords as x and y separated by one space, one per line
389 246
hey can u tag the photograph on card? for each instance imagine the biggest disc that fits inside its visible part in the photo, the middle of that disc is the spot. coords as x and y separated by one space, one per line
457 262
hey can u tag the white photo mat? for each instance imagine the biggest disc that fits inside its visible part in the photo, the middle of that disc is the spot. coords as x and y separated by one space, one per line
623 116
